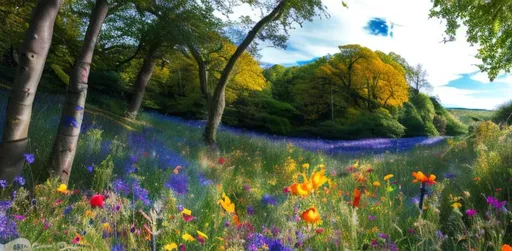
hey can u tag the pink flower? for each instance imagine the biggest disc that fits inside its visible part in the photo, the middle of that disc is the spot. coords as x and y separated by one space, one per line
20 217
471 212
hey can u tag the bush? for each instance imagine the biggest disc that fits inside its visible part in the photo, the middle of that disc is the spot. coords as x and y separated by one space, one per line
453 126
503 114
426 111
440 124
260 112
410 118
379 123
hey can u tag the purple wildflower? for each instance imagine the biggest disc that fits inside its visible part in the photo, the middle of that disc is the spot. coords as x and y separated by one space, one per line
8 229
20 180
257 241
141 193
247 188
268 200
78 108
372 217
440 235
67 210
450 176
495 202
178 183
471 212
204 181
118 247
120 187
3 183
90 169
383 236
30 158
250 210
180 208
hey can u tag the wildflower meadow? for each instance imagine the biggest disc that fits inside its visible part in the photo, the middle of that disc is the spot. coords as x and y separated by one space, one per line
258 125
140 186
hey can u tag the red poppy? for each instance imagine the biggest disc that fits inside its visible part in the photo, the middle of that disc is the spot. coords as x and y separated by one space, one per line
188 218
357 197
319 231
222 160
97 201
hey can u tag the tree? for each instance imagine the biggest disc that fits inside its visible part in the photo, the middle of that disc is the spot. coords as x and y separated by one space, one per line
284 13
179 19
33 53
418 79
365 80
488 25
66 141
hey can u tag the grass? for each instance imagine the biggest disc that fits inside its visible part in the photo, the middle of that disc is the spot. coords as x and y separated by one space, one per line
149 171
471 116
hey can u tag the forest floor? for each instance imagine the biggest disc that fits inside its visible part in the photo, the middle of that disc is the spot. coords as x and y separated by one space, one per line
161 186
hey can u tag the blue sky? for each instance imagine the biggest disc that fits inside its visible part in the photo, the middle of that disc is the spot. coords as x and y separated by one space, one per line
401 26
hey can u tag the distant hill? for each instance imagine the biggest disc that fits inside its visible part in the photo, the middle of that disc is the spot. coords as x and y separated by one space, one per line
470 116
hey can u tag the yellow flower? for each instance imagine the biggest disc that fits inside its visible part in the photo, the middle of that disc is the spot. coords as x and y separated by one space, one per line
188 237
376 184
318 179
171 246
389 176
456 205
63 188
305 165
227 204
203 235
186 211
90 213
107 228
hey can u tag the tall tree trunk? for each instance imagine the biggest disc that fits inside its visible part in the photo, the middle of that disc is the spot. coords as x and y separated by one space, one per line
64 148
218 101
203 71
203 79
33 53
141 82
332 105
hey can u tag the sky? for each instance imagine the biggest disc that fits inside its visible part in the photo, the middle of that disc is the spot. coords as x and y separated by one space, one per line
401 26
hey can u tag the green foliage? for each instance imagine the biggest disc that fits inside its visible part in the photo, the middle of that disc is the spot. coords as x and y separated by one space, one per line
487 25
426 111
379 123
257 111
503 114
94 139
471 116
410 118
440 124
103 174
454 126
60 74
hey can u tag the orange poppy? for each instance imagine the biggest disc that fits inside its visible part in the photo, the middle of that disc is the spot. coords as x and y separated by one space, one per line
421 177
357 197
506 247
311 215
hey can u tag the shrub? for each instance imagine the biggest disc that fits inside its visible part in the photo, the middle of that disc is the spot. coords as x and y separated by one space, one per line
504 113
379 123
453 125
410 118
440 124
